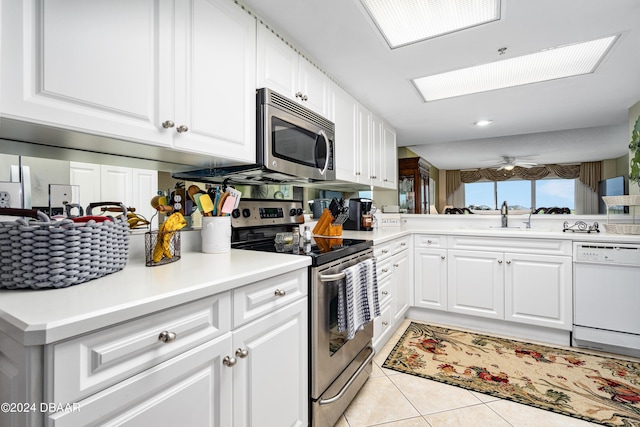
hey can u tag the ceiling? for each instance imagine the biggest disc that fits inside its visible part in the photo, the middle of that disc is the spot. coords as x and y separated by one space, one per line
342 40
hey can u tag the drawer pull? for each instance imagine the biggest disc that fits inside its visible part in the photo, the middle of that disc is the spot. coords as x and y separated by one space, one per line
499 261
403 244
396 265
441 256
167 337
229 361
385 323
385 251
280 292
242 353
384 270
429 241
385 293
508 261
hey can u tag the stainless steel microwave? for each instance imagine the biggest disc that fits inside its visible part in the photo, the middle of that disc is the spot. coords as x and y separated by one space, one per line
292 139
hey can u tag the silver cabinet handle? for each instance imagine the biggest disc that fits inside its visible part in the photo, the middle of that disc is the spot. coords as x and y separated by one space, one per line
182 128
441 256
384 251
280 292
298 94
242 353
385 293
396 265
385 323
384 270
508 261
403 244
499 261
168 124
167 337
429 242
304 97
229 361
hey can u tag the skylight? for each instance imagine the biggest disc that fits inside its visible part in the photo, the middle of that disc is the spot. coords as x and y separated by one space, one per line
403 22
548 64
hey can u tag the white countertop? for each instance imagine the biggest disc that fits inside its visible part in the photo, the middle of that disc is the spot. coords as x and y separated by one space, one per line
40 317
34 317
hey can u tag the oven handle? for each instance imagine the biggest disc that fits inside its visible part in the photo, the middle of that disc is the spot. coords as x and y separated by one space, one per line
332 277
344 389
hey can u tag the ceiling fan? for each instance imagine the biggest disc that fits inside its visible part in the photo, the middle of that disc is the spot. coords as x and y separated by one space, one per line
508 163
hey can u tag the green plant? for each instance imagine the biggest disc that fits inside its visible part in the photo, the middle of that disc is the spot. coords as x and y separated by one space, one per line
634 146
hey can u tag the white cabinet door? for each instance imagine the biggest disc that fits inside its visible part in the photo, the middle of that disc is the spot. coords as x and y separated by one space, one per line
346 143
401 279
271 382
277 64
430 276
215 79
363 145
116 185
538 290
101 70
389 158
376 152
476 283
87 177
315 87
191 389
145 186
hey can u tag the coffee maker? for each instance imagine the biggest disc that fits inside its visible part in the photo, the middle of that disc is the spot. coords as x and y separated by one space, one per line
360 217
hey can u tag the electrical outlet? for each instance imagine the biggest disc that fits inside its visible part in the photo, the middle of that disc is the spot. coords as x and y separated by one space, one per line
5 199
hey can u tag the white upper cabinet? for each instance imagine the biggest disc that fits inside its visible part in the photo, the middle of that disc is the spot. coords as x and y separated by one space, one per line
346 143
86 66
282 69
169 74
215 79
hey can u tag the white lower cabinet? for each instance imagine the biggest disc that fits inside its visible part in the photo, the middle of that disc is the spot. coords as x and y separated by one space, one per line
526 281
193 389
476 283
191 365
394 286
270 377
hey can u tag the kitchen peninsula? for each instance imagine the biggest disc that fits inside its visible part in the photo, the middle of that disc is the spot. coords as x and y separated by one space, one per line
112 325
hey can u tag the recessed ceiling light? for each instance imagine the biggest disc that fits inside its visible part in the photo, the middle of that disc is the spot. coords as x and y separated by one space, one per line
483 122
548 64
403 22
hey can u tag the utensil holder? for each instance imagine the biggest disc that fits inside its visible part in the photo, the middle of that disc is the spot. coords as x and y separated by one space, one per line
216 234
161 247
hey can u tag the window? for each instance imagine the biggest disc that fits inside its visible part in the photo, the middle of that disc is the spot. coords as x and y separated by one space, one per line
521 194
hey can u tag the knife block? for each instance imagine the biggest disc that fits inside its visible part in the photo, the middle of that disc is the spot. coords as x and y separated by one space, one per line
324 227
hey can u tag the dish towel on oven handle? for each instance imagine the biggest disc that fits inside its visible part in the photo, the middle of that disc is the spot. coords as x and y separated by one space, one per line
358 297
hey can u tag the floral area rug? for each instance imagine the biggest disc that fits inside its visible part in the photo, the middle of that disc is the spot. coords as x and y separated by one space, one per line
593 388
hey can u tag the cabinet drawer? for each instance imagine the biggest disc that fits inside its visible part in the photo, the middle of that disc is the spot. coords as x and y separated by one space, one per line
400 245
382 323
87 364
258 299
383 268
384 291
429 241
382 251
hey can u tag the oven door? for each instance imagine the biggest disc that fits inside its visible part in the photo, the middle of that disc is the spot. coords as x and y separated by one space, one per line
331 352
294 146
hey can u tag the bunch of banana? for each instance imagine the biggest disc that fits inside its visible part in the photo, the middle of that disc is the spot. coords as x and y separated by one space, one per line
136 221
163 246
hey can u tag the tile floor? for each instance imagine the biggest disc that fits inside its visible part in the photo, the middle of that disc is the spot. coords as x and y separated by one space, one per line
394 399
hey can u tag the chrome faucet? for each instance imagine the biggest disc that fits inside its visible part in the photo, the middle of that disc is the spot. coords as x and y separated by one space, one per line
528 223
504 211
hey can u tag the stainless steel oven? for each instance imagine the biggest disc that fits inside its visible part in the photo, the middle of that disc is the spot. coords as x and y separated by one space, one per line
339 367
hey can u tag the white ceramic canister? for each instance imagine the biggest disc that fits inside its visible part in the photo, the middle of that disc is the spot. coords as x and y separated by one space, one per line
216 234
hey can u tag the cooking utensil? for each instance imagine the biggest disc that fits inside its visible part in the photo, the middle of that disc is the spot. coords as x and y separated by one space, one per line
207 205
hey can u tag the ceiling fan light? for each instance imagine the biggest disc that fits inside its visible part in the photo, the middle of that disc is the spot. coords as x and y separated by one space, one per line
403 22
509 167
548 64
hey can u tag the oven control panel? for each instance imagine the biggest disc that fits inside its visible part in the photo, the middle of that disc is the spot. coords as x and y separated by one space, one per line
264 212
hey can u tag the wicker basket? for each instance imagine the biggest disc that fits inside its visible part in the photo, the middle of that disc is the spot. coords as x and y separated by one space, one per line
627 200
42 254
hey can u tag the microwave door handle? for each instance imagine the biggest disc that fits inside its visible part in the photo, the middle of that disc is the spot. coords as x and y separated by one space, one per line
326 140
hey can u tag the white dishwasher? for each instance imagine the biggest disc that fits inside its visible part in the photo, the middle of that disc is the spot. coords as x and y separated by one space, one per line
606 290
